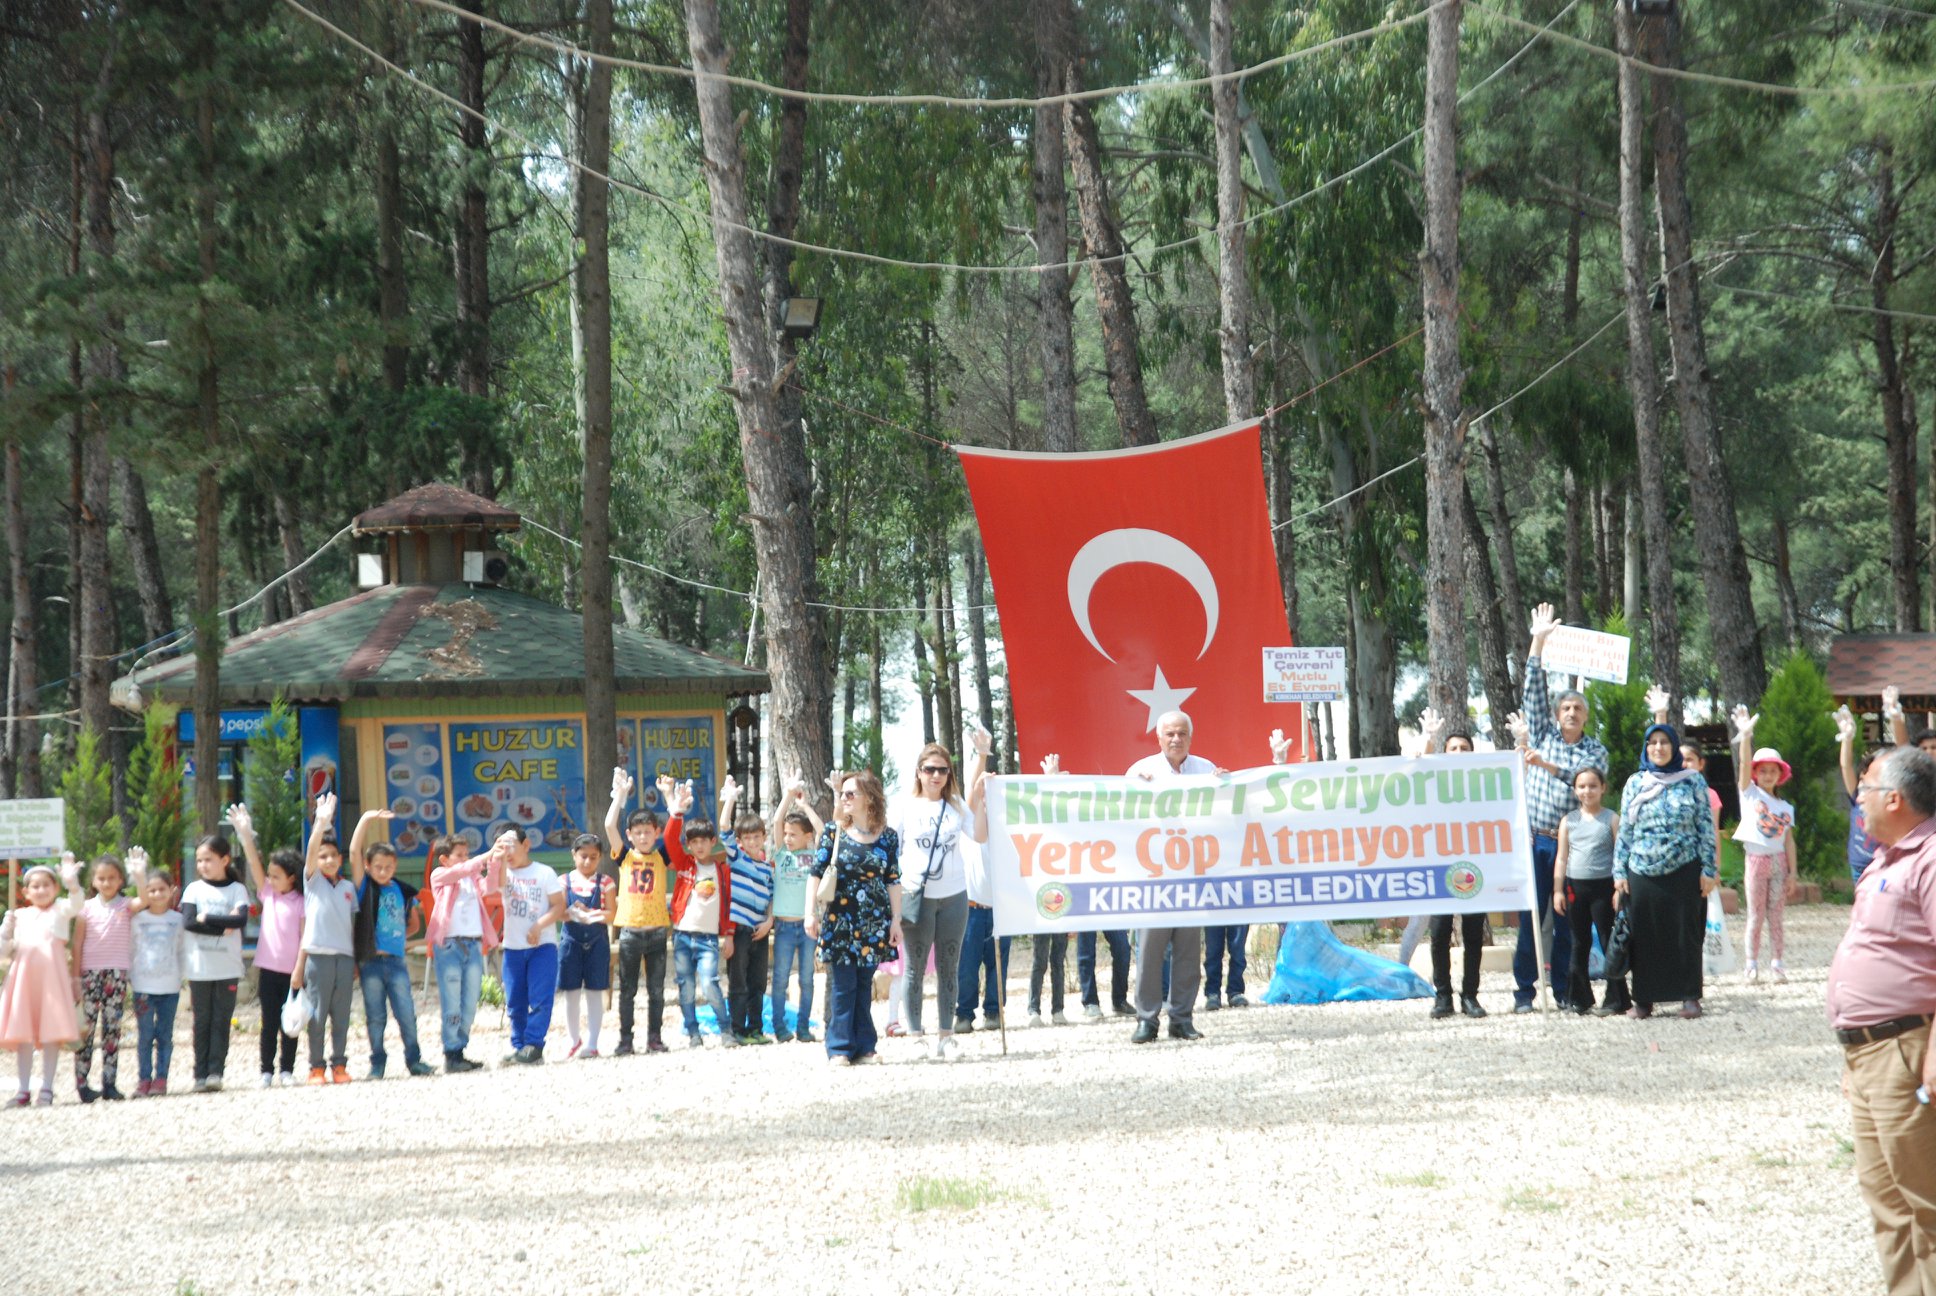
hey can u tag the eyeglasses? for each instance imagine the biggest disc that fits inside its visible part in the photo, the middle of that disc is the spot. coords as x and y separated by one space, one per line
848 794
939 771
1860 788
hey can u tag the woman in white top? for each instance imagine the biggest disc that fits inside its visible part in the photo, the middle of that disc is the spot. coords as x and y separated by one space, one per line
934 879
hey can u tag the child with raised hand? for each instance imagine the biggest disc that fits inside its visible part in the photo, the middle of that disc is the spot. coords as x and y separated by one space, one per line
642 916
797 827
1766 832
752 908
326 972
460 935
37 1002
585 949
101 954
702 912
155 974
278 942
534 905
215 909
387 915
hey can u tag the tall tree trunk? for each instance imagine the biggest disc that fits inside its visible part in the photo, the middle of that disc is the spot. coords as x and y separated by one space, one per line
22 754
849 689
1630 560
956 698
923 673
1103 245
1233 276
392 280
1444 377
947 715
1791 604
1371 653
208 504
95 609
778 484
138 529
1898 438
977 585
1575 523
1495 663
289 532
474 245
1717 532
595 529
1643 379
1513 602
876 698
1051 198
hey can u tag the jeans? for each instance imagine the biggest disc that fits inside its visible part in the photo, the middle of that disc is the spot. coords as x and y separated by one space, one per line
978 955
1472 930
1119 964
530 988
460 977
850 1011
213 1005
154 1026
1526 969
1050 953
271 992
695 966
1216 942
641 946
386 990
327 979
943 922
792 951
746 980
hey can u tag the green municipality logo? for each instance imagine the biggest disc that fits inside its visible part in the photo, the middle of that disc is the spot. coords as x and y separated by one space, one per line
1464 879
1053 901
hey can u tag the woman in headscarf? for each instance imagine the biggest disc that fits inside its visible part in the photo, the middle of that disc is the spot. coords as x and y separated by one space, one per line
1663 870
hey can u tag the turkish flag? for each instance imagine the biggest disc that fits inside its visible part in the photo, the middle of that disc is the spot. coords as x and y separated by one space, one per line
1130 583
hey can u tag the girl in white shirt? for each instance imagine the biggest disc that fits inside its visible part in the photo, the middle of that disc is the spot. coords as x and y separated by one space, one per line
1767 834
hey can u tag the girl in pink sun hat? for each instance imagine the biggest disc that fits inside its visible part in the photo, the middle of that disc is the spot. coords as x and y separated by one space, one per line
1767 835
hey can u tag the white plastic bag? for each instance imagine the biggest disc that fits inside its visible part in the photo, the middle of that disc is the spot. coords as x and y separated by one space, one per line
295 1012
1717 952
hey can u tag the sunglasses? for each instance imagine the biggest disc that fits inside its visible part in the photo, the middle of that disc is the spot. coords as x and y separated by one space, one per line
936 770
848 794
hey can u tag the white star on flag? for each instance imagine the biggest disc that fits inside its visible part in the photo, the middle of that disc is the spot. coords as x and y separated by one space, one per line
1160 697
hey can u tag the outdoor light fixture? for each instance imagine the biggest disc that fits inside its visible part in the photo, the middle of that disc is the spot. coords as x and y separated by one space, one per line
802 317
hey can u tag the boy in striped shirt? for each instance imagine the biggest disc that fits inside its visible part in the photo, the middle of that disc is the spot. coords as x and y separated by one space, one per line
752 908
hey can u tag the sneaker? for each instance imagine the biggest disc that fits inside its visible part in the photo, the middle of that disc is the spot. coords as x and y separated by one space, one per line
729 1040
457 1064
694 1040
964 1025
782 1037
1753 974
212 1085
803 1036
87 1095
1211 1003
157 1088
201 1086
339 1075
1780 974
837 1060
532 1055
286 1079
991 1021
140 1089
867 1059
946 1049
1238 1001
1122 1009
1035 1020
1060 1019
895 1030
1092 1011
624 1049
655 1045
421 1068
375 1073
317 1076
268 1079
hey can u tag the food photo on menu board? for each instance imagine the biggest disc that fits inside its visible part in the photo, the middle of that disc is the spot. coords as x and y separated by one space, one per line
528 773
413 779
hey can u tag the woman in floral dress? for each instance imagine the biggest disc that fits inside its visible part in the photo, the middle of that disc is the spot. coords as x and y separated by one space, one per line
861 928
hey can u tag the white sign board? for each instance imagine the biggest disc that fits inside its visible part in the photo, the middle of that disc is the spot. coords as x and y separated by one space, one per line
34 829
1572 650
1303 674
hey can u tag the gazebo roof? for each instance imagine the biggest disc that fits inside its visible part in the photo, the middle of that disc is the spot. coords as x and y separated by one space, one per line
1861 666
436 507
440 641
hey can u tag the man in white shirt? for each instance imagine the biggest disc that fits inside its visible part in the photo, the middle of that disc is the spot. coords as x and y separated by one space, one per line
1184 945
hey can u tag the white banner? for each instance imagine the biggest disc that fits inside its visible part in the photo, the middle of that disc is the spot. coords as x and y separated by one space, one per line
1303 674
1285 843
1592 654
33 828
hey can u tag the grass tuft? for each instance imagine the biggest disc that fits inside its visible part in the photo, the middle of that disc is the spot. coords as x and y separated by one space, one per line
1536 1200
926 1193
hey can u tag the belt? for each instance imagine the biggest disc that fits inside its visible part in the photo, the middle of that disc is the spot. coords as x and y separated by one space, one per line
1881 1030
1548 836
973 905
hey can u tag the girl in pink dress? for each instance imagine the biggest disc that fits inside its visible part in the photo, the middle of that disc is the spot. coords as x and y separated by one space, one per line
37 1005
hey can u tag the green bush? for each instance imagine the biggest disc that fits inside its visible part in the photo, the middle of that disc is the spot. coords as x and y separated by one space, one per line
155 789
270 782
1795 720
86 784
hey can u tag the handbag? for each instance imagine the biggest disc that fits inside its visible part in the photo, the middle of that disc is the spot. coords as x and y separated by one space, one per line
1620 945
830 876
911 896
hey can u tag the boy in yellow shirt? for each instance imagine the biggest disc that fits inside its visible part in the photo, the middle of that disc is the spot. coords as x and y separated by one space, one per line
642 920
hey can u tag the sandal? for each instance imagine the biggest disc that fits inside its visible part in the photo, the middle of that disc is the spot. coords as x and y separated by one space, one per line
895 1030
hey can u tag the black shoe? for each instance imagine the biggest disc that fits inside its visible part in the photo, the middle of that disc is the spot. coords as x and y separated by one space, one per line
1184 1031
530 1055
457 1064
781 1037
1145 1033
1238 1001
112 1094
1442 1005
1521 1009
1583 1010
1122 1009
624 1049
803 1036
1211 1005
87 1095
964 1025
1469 1005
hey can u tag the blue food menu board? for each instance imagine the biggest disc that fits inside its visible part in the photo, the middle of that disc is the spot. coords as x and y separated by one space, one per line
680 747
530 773
413 782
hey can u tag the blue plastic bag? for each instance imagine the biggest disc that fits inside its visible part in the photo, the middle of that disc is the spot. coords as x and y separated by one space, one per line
1314 966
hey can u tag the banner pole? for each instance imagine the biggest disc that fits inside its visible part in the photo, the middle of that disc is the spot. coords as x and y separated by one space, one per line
1001 990
1542 977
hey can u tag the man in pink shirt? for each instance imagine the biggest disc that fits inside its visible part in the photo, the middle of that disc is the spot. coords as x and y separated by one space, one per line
1881 997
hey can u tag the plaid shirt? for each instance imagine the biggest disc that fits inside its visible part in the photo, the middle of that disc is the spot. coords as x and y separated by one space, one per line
1549 797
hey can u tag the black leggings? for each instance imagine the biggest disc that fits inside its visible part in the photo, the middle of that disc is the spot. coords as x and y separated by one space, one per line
271 989
1472 930
213 1004
1589 907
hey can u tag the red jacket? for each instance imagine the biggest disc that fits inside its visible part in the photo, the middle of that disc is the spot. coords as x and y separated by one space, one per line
686 870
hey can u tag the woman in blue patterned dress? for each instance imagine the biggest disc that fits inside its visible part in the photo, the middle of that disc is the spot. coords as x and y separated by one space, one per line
1663 870
861 928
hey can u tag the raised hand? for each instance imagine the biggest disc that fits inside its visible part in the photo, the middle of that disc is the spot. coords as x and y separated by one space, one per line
1429 724
1657 702
796 786
137 861
325 809
980 737
70 871
1521 731
1891 703
665 785
1052 764
241 820
1844 724
1544 622
621 785
1744 724
728 792
681 799
1280 747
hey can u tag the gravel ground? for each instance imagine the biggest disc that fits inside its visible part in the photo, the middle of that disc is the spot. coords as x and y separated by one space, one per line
1342 1149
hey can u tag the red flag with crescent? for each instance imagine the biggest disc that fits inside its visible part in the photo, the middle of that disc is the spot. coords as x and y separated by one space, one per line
1130 583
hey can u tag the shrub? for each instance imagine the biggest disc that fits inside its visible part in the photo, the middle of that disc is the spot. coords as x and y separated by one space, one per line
155 789
270 782
86 784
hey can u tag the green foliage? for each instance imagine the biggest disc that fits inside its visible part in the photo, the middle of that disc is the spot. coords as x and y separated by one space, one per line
86 784
155 789
269 780
490 991
1795 721
1619 715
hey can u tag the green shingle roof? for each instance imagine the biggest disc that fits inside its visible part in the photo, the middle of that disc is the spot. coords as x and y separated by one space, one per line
417 641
